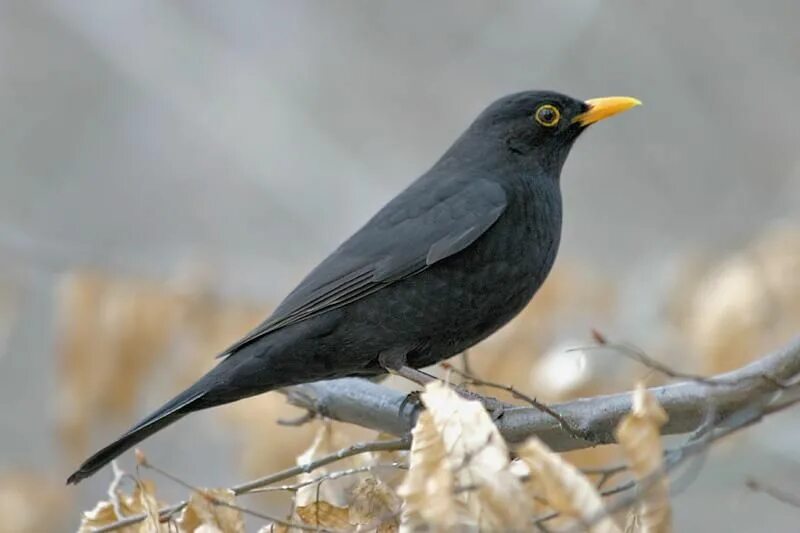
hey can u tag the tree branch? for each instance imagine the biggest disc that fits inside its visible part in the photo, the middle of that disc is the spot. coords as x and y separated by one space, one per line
735 399
779 494
375 406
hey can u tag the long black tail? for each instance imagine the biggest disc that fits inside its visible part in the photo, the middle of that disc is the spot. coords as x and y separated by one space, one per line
189 400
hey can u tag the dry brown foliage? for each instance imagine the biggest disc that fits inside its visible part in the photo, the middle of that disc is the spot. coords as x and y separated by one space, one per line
460 478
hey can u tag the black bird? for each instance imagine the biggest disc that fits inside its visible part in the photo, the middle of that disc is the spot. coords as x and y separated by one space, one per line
443 265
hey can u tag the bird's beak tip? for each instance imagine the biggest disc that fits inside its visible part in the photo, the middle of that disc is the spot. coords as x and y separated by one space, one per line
600 108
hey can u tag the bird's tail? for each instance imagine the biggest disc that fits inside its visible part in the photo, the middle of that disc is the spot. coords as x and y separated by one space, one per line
189 400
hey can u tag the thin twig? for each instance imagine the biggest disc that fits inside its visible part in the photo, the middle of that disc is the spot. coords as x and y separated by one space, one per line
144 463
163 514
329 477
779 494
606 474
374 406
113 488
698 443
745 417
762 387
574 432
355 449
639 355
305 418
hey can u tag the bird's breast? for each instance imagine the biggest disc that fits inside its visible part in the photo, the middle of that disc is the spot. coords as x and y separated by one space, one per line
516 254
464 298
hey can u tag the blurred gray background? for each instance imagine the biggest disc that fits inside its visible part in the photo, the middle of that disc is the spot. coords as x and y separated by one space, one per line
253 136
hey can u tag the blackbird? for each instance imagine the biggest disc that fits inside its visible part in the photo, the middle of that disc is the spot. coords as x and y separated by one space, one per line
443 265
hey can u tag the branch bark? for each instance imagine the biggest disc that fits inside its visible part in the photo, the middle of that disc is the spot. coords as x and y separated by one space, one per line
751 392
375 406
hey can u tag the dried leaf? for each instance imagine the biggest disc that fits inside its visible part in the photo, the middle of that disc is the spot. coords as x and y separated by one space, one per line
477 459
531 486
428 487
340 502
639 435
565 488
374 503
202 513
149 504
633 523
142 500
323 514
101 515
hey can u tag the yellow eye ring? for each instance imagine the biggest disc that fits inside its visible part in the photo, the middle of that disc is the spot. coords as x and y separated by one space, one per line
547 115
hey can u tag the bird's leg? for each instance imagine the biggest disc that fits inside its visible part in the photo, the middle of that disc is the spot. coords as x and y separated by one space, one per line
395 362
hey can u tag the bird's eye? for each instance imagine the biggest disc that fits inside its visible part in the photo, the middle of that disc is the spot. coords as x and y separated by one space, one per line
547 115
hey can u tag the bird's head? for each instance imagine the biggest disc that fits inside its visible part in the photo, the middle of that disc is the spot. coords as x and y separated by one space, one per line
538 128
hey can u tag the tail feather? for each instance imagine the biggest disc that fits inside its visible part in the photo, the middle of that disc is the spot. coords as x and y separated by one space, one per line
172 411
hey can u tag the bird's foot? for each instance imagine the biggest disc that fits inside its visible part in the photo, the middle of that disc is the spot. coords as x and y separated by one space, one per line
493 406
413 401
395 362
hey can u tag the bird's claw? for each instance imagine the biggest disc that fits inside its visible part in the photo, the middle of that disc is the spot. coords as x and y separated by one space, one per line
493 406
414 400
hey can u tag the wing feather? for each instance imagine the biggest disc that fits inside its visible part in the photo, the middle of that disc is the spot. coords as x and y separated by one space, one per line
403 239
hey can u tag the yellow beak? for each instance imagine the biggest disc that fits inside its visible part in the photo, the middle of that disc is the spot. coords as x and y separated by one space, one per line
600 108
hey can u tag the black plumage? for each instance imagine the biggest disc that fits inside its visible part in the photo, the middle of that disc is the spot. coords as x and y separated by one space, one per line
443 265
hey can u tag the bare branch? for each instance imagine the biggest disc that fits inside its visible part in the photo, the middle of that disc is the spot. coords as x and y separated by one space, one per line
698 443
250 486
305 418
294 487
638 355
472 380
374 406
779 494
355 449
739 399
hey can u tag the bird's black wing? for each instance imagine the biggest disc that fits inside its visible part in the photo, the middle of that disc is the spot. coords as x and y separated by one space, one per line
426 223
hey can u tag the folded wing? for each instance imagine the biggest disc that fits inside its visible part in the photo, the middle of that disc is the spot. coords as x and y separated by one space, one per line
409 235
